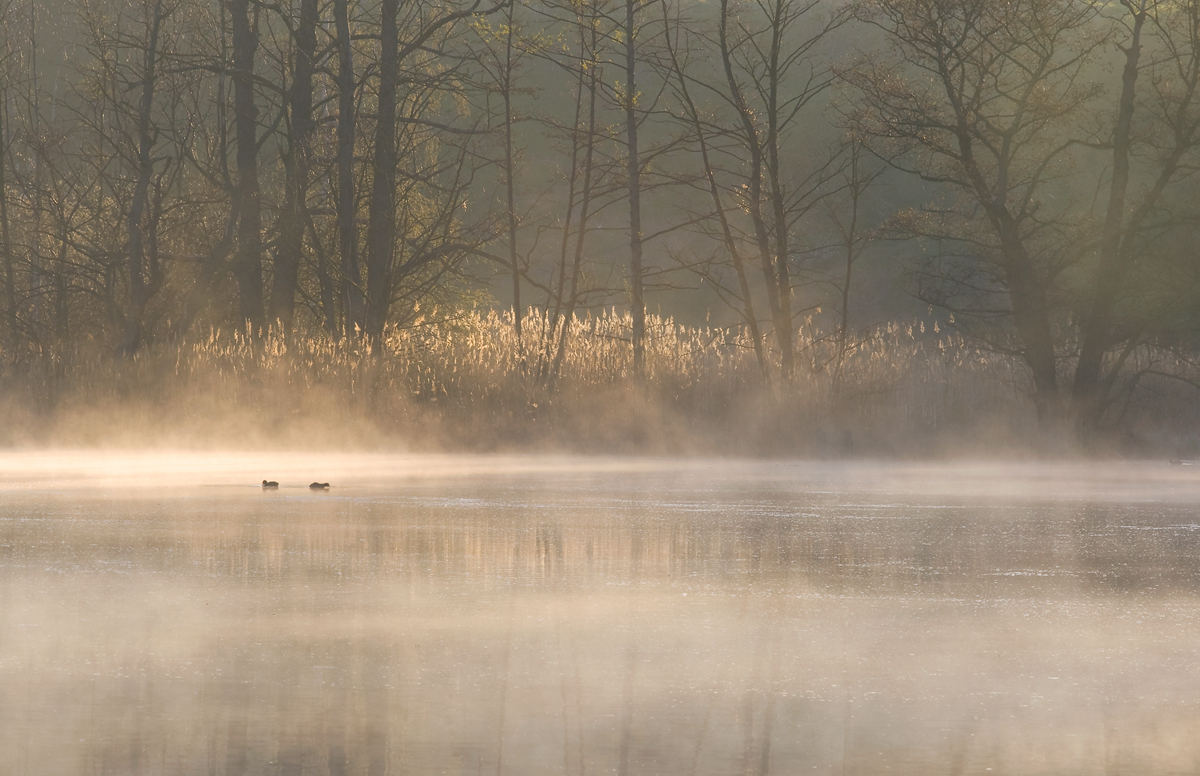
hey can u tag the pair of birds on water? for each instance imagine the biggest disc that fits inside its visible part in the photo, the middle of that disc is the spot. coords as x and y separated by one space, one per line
272 485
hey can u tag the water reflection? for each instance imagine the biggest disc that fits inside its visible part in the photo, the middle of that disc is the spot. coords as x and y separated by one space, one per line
675 622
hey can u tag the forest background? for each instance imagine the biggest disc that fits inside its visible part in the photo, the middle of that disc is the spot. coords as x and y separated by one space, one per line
814 227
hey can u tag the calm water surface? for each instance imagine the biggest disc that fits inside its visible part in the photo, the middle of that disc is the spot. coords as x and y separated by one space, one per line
162 614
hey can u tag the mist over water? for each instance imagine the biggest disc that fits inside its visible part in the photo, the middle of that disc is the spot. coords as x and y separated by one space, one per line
440 614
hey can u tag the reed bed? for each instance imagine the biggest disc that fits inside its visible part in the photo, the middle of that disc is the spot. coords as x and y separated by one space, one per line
466 383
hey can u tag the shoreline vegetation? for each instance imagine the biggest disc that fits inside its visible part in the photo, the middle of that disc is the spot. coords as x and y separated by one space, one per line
904 390
415 196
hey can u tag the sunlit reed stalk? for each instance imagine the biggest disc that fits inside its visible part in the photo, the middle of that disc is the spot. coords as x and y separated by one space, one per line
462 382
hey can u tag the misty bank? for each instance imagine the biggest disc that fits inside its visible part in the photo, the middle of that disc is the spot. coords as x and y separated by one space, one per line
896 391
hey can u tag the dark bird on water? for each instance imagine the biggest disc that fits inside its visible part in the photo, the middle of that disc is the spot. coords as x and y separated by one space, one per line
319 486
270 485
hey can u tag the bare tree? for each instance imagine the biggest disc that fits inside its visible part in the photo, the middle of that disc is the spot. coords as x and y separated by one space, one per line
6 238
633 171
204 144
1151 142
981 97
743 298
845 213
297 164
569 277
389 265
569 291
748 98
353 300
501 57
145 270
247 262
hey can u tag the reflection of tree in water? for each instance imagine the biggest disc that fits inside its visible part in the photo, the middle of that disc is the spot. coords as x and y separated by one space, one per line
1109 545
343 640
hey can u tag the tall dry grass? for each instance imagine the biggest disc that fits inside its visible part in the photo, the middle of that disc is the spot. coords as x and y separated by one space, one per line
465 384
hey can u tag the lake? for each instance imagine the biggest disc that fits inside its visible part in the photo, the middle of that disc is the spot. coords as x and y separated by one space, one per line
161 613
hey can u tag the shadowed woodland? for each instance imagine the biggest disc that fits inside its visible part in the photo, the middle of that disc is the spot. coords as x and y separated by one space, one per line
739 226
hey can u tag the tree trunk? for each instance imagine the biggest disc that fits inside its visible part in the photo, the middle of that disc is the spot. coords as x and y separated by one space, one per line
714 191
557 287
288 256
217 258
783 280
850 243
140 290
1111 269
6 253
247 264
37 273
1026 287
324 276
381 216
352 296
589 39
509 174
762 238
209 272
1030 311
634 171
